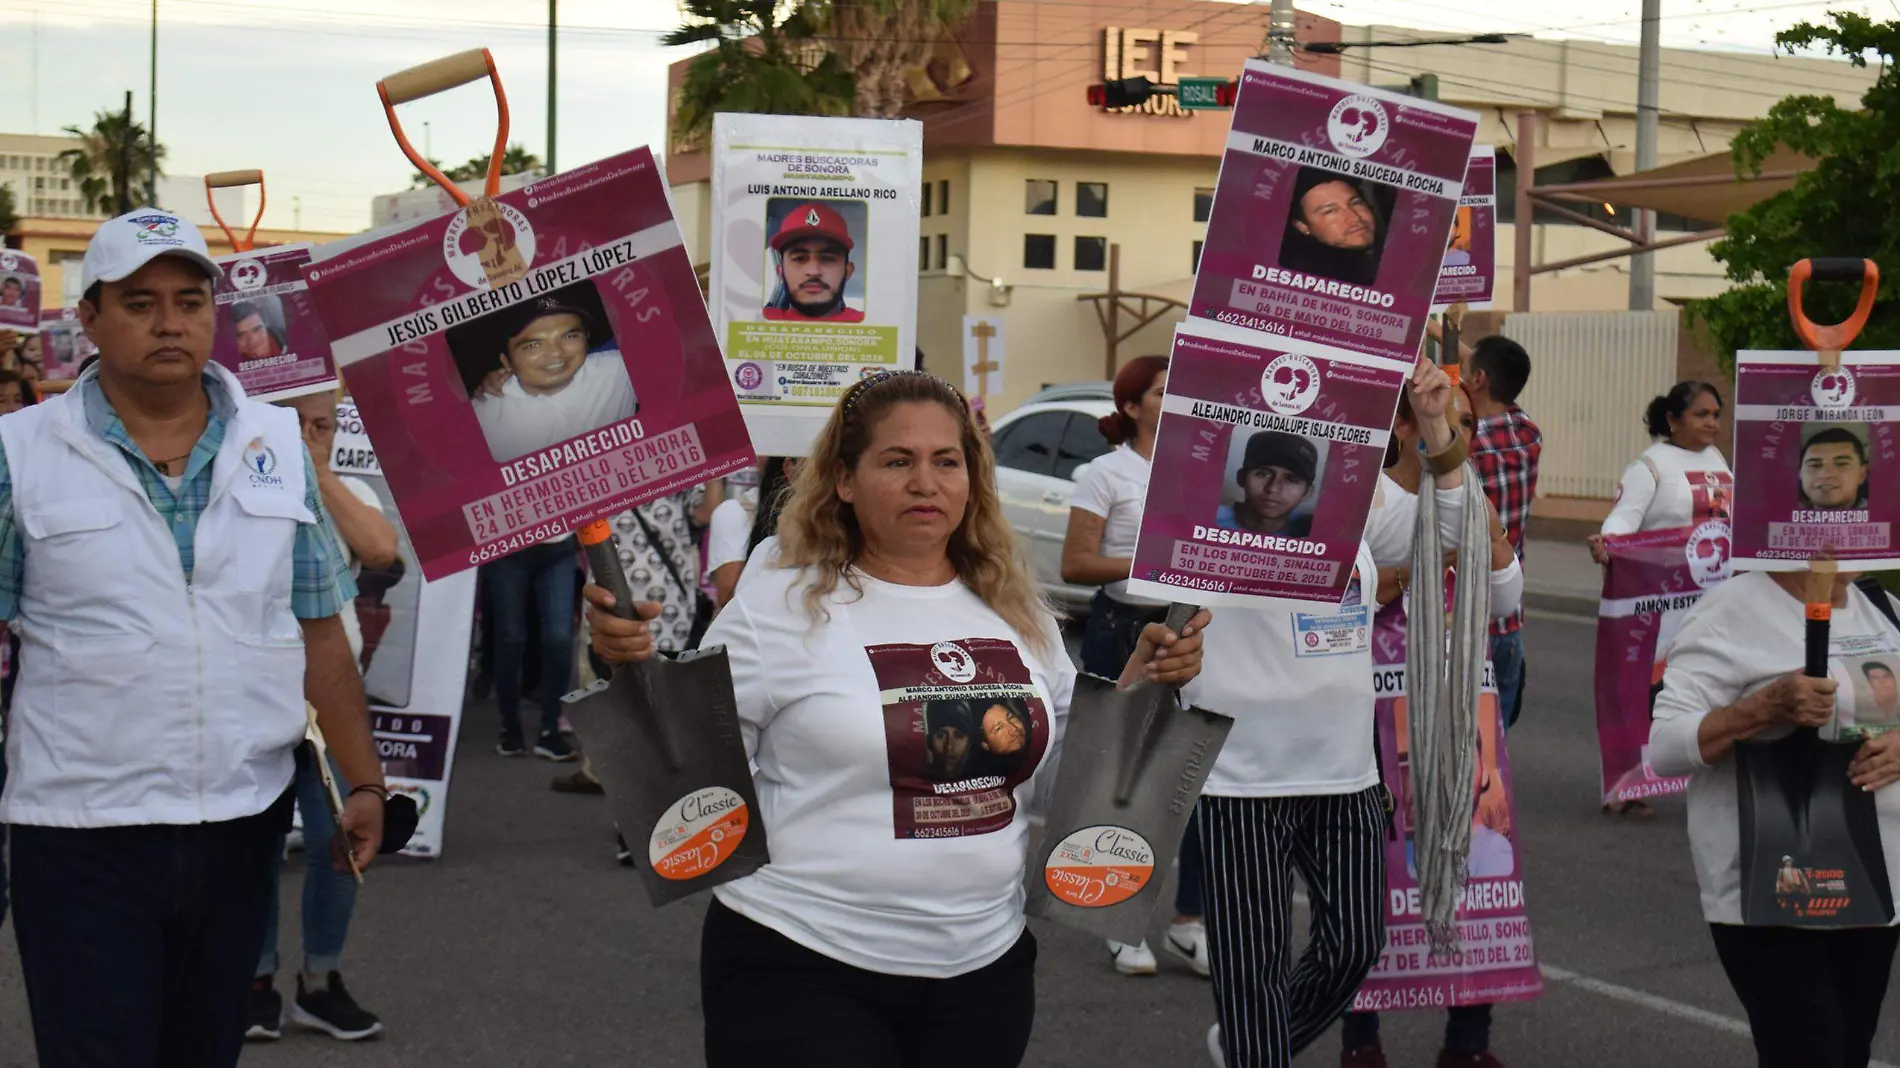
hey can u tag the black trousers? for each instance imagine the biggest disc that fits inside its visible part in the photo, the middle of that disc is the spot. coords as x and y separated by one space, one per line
138 943
1270 1007
772 1003
1813 996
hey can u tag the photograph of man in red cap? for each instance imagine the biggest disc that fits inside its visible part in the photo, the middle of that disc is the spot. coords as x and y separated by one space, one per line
813 248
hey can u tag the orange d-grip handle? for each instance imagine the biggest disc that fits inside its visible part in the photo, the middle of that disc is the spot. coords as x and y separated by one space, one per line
435 77
1823 337
227 180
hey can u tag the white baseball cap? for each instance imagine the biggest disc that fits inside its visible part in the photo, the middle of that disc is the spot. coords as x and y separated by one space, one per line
123 245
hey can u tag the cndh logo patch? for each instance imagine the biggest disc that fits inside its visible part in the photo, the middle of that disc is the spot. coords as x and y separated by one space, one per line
260 460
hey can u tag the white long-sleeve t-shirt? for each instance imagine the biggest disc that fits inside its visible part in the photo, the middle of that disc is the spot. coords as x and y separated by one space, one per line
1681 496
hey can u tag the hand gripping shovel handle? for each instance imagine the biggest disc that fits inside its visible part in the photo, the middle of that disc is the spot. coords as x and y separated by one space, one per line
438 76
1179 615
603 560
231 179
1820 598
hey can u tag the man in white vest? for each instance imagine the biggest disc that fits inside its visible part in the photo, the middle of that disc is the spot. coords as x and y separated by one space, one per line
165 558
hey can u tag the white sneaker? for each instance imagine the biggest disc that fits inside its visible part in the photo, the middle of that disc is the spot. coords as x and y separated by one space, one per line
1188 941
1213 1047
1137 959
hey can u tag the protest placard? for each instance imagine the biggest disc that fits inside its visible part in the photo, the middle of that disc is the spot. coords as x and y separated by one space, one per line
1469 272
415 653
1273 450
19 292
63 344
268 331
1650 583
1331 211
1495 960
532 362
1817 460
813 284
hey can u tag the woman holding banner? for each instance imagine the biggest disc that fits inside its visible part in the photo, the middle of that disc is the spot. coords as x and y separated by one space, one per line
1104 520
1813 994
1679 481
1296 787
888 930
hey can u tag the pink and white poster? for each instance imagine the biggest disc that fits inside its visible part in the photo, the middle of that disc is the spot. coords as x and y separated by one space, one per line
269 335
63 344
1469 272
19 292
1817 460
532 362
1273 449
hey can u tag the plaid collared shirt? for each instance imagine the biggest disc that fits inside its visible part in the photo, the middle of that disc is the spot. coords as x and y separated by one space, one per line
1504 449
320 582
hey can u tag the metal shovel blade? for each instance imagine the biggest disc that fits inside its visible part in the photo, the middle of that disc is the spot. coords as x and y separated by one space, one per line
1133 764
663 738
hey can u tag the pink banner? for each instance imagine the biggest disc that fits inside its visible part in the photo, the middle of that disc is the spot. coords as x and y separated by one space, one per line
268 332
1495 960
530 363
1650 583
63 344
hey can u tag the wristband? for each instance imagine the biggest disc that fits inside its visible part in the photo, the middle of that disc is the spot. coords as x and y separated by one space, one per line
376 788
1448 459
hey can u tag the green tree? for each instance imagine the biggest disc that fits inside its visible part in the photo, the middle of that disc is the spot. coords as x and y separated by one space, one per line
882 41
1843 207
112 162
765 59
9 211
516 160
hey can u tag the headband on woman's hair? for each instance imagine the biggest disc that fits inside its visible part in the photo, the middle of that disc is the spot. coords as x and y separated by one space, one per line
865 385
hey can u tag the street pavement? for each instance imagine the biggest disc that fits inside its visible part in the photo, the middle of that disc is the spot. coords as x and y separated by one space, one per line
526 945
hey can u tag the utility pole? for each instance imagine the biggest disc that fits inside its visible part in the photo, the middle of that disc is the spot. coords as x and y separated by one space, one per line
296 213
1280 33
151 125
1648 116
553 65
124 189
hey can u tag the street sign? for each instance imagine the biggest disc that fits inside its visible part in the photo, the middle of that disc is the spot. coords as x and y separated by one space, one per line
1202 94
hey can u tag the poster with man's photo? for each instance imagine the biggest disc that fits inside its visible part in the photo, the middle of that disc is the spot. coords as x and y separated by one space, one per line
964 728
1273 452
1817 460
269 335
532 362
415 651
63 344
813 284
19 292
1469 271
1331 211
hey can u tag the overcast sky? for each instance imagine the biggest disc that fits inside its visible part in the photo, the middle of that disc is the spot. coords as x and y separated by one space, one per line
289 85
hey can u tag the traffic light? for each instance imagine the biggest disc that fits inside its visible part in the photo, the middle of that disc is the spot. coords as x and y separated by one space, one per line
1226 93
1123 93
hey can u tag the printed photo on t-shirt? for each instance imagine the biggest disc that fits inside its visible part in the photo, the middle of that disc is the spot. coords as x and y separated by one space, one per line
1712 494
1869 700
964 727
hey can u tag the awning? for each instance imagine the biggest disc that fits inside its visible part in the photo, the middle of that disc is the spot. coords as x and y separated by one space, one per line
1702 188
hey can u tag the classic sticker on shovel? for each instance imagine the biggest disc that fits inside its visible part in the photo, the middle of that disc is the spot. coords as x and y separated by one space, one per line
1099 866
699 833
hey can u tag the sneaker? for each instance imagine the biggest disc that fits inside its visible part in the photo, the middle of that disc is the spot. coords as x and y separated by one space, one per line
1448 1059
1137 959
1363 1057
333 1011
267 1012
551 746
580 782
1188 941
622 852
510 744
1213 1047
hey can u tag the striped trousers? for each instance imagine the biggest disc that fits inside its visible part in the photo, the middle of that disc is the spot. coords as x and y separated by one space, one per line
1270 1007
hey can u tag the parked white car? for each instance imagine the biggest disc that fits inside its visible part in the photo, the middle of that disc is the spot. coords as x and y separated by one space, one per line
1039 446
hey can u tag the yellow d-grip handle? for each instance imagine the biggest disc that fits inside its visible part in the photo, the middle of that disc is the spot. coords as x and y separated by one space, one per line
433 77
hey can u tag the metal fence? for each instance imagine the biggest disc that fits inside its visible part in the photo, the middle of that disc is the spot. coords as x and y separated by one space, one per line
1593 373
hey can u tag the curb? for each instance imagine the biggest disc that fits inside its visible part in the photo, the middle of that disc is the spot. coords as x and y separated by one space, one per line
1582 606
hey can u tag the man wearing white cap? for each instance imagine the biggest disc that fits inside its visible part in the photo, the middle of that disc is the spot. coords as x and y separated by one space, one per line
165 558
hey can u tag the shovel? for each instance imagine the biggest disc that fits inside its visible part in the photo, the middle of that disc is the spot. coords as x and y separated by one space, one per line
236 179
1133 765
663 738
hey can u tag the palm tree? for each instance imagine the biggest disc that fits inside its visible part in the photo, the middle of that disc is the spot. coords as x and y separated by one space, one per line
516 160
765 60
9 211
882 42
110 162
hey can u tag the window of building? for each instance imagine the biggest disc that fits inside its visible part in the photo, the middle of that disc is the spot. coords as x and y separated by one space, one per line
1196 266
1091 200
1091 253
926 204
1039 197
943 196
1203 204
1039 252
39 184
943 251
65 184
923 254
